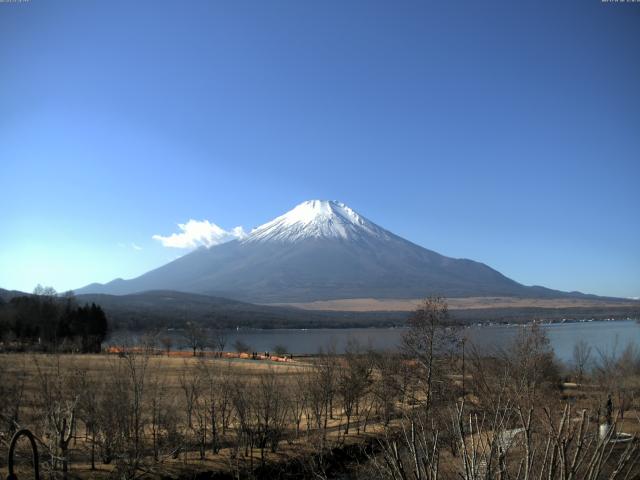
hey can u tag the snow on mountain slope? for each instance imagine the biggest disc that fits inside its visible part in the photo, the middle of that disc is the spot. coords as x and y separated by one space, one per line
317 219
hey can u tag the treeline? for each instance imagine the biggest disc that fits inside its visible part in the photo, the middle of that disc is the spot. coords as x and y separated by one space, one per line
46 321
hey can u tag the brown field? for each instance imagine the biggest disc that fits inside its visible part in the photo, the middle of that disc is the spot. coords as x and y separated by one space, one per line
407 305
391 400
171 370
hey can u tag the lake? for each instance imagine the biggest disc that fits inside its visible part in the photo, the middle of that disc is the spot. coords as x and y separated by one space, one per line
601 335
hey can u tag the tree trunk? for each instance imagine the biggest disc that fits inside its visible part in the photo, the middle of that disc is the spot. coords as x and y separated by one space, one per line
93 448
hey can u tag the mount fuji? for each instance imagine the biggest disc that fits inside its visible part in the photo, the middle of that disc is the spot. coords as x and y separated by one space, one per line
323 250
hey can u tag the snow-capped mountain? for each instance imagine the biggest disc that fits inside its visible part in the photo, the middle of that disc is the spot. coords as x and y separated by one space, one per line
322 250
317 219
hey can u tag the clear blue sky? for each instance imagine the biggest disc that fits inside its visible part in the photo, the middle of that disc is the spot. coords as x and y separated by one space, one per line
506 132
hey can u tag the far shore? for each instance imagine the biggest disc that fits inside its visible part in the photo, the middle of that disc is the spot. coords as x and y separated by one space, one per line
468 303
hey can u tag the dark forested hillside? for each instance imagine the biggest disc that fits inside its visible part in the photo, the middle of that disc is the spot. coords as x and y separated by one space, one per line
169 309
172 309
46 321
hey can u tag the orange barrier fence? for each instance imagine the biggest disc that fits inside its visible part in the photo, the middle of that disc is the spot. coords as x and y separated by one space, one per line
189 353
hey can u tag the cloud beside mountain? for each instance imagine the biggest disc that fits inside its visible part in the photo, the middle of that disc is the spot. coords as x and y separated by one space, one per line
197 233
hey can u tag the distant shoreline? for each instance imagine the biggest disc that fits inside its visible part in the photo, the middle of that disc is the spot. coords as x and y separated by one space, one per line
462 303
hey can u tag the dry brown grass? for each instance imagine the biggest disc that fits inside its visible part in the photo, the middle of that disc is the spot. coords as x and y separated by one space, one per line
407 305
170 368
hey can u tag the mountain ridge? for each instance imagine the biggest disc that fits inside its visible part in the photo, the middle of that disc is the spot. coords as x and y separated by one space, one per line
323 250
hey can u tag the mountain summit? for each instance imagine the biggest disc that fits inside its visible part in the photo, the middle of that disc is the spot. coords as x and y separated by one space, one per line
317 219
322 250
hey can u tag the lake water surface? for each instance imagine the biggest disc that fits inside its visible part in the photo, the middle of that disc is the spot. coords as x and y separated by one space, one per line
605 336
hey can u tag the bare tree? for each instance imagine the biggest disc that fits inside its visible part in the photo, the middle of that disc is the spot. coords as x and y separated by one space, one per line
57 405
616 373
149 341
194 336
86 387
411 453
298 400
270 411
386 387
317 402
167 342
161 407
218 340
581 358
241 395
241 346
531 363
430 335
41 291
12 389
354 379
224 381
113 400
190 385
216 400
137 369
321 384
280 350
122 416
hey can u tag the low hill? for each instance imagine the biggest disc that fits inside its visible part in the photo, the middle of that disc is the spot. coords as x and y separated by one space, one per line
171 309
166 309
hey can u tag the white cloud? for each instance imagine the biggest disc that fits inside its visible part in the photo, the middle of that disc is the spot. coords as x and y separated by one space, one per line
133 245
196 233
